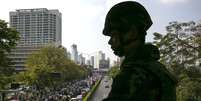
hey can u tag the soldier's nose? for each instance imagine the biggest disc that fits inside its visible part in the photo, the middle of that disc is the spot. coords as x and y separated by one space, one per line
110 41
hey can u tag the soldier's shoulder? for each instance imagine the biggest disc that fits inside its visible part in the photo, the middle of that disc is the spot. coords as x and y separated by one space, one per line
137 63
150 68
135 68
160 69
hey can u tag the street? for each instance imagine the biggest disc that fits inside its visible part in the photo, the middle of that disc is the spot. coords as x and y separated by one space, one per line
103 89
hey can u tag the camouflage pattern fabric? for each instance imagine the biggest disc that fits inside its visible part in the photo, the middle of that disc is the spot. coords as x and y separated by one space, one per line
143 80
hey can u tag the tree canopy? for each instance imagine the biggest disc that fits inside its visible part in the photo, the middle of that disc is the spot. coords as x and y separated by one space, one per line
180 50
8 40
50 66
8 37
113 71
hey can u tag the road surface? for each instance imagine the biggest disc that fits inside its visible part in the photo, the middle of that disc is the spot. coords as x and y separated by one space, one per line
103 89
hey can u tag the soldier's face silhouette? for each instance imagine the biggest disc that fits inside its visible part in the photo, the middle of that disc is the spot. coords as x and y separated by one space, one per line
115 42
120 37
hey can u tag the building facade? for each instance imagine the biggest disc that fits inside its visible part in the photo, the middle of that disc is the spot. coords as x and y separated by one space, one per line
69 55
81 59
92 61
104 64
38 28
74 55
100 61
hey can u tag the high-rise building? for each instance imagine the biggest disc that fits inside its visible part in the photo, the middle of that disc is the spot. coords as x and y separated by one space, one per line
88 62
68 55
108 60
92 61
74 54
38 28
96 60
104 64
99 56
81 60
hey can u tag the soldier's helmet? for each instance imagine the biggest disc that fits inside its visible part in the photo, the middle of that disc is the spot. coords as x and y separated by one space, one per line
133 11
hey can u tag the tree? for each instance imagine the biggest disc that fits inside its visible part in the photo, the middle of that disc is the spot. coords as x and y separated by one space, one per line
180 52
8 37
114 71
8 40
42 66
42 63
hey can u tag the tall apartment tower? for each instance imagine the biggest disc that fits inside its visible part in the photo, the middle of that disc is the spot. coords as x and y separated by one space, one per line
74 54
97 57
92 61
38 28
81 59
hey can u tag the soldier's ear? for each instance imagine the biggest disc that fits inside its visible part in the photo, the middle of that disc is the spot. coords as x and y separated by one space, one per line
134 33
131 35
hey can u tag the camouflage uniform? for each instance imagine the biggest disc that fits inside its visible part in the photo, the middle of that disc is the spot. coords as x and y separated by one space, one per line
142 79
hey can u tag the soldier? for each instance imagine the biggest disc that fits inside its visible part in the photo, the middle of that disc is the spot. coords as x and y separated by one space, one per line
141 77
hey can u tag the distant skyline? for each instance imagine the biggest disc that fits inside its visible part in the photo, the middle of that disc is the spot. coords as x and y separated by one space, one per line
83 20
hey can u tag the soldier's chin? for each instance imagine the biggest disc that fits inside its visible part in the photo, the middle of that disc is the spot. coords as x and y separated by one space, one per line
118 53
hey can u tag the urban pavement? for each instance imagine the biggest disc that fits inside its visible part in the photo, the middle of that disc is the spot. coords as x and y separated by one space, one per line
103 89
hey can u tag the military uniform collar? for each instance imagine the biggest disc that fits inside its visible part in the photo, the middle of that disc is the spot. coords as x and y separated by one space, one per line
133 56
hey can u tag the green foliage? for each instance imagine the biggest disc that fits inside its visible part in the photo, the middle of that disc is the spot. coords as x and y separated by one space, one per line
180 52
4 81
42 64
113 71
189 89
8 39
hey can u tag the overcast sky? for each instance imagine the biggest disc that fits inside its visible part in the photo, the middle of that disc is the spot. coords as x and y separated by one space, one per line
83 20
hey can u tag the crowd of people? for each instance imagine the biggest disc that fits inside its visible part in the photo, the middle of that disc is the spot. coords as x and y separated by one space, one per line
68 91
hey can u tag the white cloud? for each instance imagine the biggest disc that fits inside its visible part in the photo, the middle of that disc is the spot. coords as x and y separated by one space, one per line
174 1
